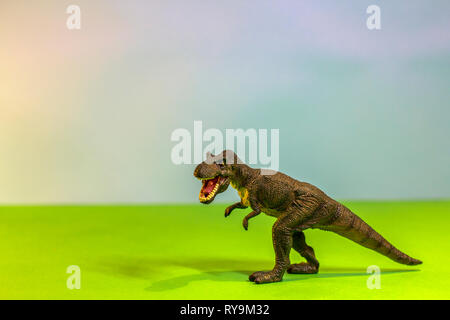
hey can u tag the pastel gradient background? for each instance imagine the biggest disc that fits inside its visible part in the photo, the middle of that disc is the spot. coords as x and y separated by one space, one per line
86 118
86 115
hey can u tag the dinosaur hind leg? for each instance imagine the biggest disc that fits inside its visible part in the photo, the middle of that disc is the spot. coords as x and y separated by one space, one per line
299 245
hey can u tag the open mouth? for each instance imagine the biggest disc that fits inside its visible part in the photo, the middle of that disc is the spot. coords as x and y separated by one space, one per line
209 189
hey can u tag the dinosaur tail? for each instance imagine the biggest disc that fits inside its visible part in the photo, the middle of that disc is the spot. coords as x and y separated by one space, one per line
354 228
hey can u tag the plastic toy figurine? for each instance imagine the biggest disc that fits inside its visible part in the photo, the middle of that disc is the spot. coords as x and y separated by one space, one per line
297 207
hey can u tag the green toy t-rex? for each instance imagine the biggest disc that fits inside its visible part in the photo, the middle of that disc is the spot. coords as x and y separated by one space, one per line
297 207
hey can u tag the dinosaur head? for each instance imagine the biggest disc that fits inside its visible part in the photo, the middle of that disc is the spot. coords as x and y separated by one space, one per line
215 173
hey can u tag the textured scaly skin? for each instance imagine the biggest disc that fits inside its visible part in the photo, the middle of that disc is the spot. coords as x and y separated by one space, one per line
297 206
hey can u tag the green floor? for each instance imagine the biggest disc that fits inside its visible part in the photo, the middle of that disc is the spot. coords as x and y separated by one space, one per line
193 252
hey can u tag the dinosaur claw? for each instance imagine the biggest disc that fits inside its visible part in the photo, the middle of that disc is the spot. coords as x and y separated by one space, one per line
302 268
254 275
264 277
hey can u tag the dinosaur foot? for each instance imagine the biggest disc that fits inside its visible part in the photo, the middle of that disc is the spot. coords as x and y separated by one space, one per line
302 268
264 277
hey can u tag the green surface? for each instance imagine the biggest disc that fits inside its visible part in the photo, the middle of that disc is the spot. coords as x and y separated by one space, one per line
193 252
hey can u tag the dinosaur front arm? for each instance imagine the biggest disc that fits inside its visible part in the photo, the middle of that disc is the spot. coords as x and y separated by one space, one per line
249 216
237 205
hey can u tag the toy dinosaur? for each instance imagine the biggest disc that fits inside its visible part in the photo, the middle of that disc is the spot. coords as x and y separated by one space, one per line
297 207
